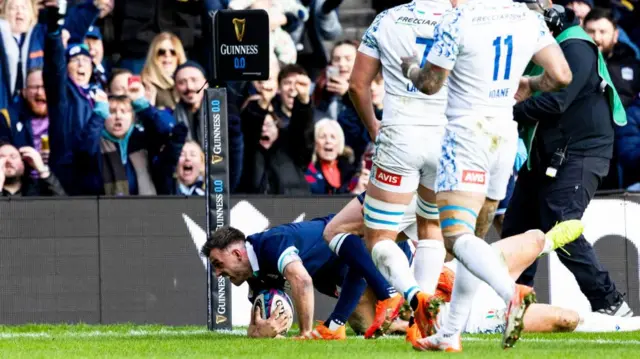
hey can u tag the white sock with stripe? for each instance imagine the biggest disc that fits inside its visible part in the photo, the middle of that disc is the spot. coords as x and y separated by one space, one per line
394 266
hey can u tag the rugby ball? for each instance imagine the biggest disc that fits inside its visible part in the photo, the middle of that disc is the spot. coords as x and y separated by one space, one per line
268 301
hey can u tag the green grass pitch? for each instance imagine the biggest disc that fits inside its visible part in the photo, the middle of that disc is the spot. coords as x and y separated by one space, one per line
132 341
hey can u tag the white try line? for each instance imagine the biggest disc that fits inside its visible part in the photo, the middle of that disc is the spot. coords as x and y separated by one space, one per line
243 332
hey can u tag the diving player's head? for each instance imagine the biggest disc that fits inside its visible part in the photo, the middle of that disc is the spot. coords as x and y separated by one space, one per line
227 253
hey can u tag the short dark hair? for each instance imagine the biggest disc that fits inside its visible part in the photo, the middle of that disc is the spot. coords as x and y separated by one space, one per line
221 239
290 69
601 13
117 72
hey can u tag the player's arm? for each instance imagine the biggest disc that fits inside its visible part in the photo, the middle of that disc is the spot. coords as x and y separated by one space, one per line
430 79
302 294
581 60
557 73
367 67
441 58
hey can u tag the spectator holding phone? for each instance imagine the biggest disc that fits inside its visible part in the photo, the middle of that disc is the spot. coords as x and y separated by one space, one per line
14 173
163 58
332 87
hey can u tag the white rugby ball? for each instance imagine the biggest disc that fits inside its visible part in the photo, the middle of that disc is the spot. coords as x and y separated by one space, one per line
268 301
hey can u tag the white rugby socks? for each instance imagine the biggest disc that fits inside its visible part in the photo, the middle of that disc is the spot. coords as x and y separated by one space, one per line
464 289
483 262
428 261
394 266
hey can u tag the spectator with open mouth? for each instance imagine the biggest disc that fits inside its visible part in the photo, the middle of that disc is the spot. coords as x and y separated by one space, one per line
332 168
275 157
190 171
113 155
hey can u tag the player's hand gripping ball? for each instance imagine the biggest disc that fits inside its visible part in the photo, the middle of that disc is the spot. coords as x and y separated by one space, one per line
275 302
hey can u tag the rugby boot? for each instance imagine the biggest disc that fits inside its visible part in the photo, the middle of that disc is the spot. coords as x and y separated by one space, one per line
386 312
564 233
522 298
427 313
440 342
322 332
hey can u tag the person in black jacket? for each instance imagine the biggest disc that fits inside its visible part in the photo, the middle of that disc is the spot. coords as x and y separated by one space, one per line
276 158
16 179
579 119
621 59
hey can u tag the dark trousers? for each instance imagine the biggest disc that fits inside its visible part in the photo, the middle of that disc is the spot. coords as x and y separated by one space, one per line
539 202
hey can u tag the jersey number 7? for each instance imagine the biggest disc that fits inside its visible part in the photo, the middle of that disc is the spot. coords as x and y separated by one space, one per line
497 44
428 43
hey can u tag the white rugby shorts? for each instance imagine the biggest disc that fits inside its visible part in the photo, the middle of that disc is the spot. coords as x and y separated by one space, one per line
477 155
487 316
405 156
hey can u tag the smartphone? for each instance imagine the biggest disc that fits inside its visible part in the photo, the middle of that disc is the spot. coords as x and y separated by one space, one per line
333 71
134 78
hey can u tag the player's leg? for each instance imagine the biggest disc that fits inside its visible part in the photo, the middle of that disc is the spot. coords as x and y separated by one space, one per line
544 318
430 251
468 162
365 312
394 179
342 234
352 289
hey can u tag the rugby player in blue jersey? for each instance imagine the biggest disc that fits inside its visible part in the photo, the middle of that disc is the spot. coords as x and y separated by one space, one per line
293 255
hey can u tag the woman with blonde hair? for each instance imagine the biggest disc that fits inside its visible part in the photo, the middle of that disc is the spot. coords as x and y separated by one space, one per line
165 54
332 167
23 43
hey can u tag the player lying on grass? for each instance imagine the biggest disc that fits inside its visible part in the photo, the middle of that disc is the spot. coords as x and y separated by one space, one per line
297 252
488 310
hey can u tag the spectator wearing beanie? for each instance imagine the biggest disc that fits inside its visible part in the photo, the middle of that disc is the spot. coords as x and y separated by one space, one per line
112 153
190 84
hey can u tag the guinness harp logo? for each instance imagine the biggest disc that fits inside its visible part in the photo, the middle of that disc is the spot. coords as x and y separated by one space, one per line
215 159
239 25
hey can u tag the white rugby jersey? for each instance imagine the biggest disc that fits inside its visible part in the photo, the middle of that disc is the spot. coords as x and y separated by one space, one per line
487 45
403 31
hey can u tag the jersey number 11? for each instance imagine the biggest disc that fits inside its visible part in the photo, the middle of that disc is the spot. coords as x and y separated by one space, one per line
497 44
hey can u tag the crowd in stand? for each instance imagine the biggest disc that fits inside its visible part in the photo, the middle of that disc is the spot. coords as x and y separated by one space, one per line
103 97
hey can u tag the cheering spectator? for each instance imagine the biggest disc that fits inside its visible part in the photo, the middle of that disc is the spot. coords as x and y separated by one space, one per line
164 56
31 125
190 84
14 174
287 92
331 170
22 44
333 85
113 153
275 158
621 61
190 171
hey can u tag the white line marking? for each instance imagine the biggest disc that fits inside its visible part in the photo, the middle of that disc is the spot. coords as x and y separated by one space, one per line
243 332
